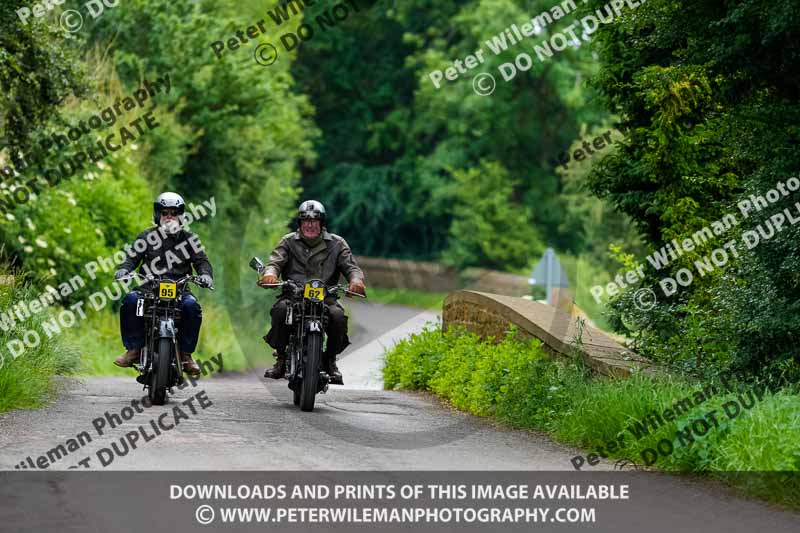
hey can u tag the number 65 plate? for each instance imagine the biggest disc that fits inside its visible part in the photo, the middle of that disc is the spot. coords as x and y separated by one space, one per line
315 294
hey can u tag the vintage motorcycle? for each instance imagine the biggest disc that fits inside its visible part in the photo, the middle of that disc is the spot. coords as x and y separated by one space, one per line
308 316
159 365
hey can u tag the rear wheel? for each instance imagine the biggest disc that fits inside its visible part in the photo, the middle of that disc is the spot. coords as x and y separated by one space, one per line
308 389
159 380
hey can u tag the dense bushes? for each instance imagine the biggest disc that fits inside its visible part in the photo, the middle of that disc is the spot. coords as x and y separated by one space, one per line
515 382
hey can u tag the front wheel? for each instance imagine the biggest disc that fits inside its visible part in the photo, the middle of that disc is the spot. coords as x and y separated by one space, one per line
308 388
160 376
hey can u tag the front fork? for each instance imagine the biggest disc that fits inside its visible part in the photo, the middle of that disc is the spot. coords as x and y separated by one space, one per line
166 329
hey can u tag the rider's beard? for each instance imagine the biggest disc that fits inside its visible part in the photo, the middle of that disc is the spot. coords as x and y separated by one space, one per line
171 227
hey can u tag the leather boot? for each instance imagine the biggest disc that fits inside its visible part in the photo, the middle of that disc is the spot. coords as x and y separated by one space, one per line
189 365
333 371
128 359
279 370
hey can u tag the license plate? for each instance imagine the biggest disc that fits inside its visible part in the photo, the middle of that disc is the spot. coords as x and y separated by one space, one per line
167 291
315 294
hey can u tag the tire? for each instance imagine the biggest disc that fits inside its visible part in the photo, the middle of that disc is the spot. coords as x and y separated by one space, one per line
161 369
308 389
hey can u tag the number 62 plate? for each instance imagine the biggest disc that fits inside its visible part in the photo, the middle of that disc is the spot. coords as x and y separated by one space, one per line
315 294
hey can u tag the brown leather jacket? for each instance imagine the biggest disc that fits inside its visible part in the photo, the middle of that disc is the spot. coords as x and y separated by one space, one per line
293 259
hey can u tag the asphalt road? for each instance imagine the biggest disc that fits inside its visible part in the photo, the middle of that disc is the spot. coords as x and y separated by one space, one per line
245 422
252 423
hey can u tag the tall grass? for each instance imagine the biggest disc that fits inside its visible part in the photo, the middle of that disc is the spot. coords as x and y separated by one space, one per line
27 381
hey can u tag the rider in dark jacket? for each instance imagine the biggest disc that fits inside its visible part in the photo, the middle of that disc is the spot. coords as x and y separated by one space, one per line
165 250
311 253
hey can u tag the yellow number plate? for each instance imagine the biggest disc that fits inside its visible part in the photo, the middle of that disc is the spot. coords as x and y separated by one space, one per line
168 291
316 295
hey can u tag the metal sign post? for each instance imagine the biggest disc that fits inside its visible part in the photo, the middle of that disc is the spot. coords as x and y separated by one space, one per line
549 273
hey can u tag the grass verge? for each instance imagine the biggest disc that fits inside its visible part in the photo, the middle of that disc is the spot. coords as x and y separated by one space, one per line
26 382
513 381
410 298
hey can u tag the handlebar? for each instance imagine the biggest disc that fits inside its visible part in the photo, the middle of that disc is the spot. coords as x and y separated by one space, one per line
295 285
181 281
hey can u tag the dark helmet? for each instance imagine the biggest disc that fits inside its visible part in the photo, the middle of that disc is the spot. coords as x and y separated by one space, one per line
311 209
167 199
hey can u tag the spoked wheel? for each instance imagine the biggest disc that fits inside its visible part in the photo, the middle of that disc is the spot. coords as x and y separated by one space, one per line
160 377
308 389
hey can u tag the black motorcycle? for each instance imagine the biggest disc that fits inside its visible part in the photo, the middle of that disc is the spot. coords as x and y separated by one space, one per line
308 316
160 304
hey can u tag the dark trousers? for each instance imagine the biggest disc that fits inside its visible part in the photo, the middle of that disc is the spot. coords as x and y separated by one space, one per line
132 326
336 331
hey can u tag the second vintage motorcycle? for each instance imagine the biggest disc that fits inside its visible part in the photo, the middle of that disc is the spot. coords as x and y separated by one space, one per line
308 316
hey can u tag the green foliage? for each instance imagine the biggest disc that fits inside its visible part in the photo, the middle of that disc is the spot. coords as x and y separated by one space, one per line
27 381
712 118
394 156
244 132
38 72
488 229
515 382
86 217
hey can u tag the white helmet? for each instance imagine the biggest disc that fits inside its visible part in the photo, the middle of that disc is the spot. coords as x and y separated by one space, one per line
168 199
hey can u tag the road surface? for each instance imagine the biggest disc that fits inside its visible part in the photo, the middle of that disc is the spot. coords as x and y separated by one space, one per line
245 422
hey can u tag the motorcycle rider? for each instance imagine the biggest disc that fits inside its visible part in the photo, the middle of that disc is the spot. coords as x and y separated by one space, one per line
171 251
311 253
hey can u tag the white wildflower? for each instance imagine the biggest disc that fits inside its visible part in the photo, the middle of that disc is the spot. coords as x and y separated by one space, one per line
41 243
9 216
28 249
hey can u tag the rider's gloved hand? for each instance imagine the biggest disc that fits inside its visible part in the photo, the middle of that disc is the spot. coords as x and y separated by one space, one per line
121 273
357 286
205 281
267 279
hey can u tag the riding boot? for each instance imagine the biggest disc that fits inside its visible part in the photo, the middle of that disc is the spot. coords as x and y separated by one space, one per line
189 365
279 370
128 359
332 369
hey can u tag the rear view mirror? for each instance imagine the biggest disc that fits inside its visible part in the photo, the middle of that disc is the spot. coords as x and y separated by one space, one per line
257 265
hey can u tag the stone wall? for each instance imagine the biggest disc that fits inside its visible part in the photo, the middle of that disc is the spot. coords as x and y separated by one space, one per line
489 315
434 277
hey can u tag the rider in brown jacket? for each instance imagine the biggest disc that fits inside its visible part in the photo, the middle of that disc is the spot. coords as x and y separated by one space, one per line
311 252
